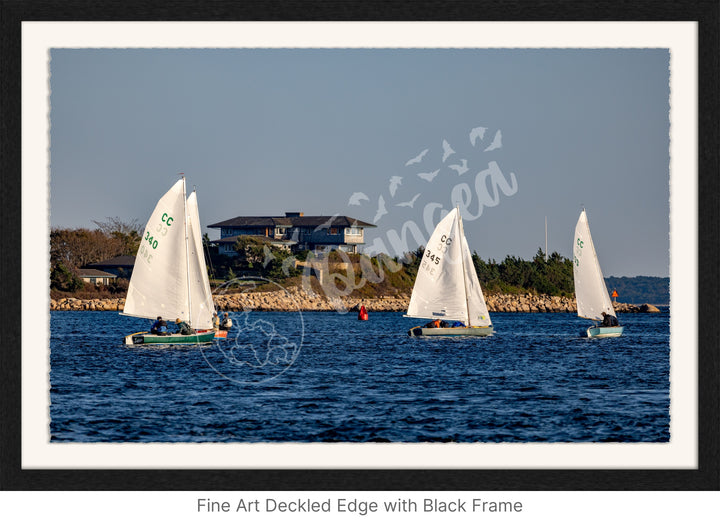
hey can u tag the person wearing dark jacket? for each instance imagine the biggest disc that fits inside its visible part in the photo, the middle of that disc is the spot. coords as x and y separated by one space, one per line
609 320
184 328
159 327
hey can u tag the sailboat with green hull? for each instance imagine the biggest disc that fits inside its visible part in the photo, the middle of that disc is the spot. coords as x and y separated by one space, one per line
591 293
170 278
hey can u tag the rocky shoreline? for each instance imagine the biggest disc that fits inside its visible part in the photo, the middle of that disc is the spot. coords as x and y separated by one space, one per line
297 299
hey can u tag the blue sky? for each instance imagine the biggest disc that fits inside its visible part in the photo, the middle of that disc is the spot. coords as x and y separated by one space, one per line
264 131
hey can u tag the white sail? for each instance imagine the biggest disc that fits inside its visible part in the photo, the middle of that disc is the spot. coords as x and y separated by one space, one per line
446 286
477 309
590 291
200 293
158 286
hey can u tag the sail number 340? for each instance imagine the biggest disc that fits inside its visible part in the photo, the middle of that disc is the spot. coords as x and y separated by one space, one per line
152 239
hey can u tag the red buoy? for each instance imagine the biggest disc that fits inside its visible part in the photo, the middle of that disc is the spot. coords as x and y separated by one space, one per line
363 314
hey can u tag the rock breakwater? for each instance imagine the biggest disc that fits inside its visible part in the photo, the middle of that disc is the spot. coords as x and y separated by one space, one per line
76 304
298 299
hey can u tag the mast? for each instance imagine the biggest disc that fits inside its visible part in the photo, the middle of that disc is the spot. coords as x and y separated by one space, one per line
187 254
546 238
462 260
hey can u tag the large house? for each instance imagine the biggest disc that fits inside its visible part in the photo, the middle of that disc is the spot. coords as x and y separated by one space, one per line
294 231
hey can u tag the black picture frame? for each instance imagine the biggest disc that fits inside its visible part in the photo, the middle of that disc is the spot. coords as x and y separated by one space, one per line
705 477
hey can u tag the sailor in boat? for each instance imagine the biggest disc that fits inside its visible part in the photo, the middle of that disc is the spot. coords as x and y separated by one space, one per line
433 324
184 328
609 320
226 322
159 327
215 320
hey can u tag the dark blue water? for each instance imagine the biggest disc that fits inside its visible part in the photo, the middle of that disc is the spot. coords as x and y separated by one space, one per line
329 377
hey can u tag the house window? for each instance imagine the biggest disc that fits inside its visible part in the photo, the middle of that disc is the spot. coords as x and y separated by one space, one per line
353 231
333 230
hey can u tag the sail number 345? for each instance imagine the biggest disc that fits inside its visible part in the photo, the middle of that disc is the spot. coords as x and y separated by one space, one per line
442 248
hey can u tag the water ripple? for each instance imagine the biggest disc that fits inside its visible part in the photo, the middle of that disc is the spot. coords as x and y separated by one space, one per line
534 381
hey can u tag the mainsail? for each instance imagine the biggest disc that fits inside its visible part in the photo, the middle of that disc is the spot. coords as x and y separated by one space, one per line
590 291
158 286
446 286
170 278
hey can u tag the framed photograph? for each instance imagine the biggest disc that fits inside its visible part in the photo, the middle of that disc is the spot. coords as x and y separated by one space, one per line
335 182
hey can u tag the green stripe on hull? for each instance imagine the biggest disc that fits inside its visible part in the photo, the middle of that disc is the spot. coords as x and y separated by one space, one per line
176 338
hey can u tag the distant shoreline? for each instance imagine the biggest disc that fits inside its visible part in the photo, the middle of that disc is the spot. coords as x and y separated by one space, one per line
296 299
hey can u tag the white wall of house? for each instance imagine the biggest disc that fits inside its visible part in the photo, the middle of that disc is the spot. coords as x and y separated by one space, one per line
103 280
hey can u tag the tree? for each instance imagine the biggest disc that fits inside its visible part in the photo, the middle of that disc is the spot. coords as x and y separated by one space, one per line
412 260
64 279
265 259
76 248
487 272
128 233
515 272
72 249
249 250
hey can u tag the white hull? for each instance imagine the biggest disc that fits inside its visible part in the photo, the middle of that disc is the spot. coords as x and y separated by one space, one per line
451 332
599 332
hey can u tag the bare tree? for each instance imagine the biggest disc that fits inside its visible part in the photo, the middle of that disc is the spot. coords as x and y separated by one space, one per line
76 248
128 233
115 224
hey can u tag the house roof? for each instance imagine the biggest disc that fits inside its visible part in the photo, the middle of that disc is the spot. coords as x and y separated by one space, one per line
94 273
292 221
234 239
118 261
